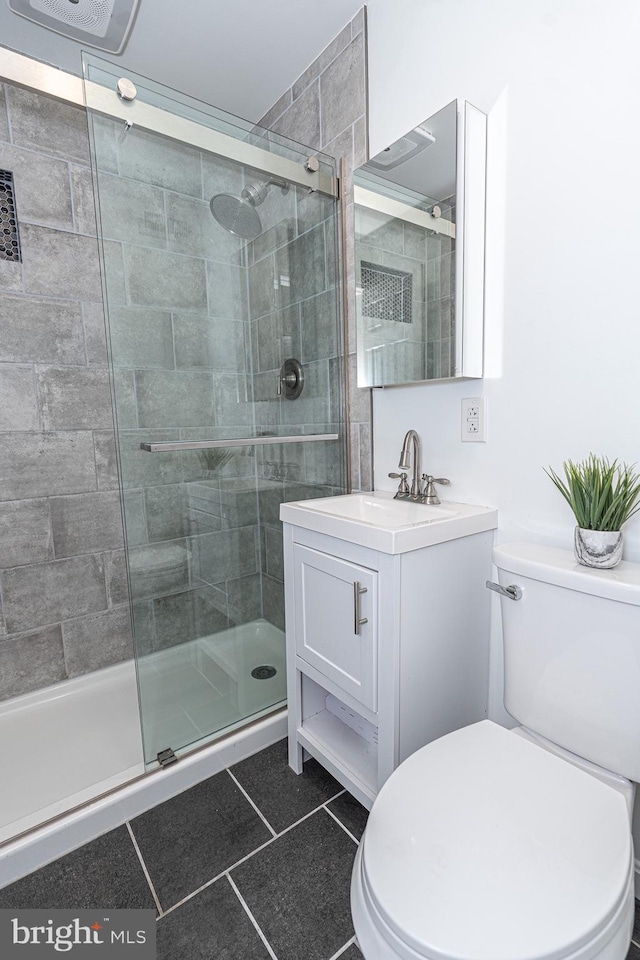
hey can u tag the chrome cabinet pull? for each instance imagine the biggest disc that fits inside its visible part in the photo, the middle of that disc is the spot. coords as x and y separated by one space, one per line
358 589
512 591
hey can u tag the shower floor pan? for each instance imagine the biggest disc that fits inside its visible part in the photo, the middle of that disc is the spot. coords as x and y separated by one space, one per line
76 740
206 685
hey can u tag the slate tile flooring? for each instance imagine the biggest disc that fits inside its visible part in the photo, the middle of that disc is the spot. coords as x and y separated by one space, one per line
251 864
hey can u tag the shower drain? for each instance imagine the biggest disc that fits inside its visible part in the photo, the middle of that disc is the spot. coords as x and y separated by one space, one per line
263 672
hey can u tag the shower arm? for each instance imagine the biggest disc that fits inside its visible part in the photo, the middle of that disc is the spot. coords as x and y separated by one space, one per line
255 193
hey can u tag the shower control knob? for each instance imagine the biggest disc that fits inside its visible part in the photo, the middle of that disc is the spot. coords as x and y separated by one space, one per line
126 89
312 164
291 379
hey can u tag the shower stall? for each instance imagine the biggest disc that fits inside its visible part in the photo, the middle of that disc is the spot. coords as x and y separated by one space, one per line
219 261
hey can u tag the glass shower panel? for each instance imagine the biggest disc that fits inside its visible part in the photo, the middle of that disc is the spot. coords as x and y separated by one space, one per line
201 321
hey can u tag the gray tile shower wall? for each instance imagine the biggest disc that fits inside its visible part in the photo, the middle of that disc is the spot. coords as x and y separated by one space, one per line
63 607
177 291
326 109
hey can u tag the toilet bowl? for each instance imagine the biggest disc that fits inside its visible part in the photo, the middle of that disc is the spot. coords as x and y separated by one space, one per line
485 846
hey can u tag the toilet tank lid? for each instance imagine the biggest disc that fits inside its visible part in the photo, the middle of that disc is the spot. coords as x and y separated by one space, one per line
560 567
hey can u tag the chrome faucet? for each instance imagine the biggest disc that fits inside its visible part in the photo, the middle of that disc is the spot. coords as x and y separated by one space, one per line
411 439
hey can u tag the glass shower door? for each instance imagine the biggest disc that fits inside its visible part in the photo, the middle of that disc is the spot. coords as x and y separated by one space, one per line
208 306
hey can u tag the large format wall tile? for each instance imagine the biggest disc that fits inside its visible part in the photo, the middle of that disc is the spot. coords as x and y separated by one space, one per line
151 158
86 523
159 279
10 276
105 459
227 291
75 398
25 532
84 210
174 399
132 211
47 125
59 264
94 333
41 186
41 465
342 90
142 337
31 661
301 121
51 592
225 555
193 231
204 343
18 404
94 642
40 331
116 576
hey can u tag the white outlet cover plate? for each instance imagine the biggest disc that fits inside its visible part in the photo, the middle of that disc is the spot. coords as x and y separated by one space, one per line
473 420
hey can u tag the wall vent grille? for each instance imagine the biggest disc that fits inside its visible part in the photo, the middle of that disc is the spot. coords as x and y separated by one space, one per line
9 236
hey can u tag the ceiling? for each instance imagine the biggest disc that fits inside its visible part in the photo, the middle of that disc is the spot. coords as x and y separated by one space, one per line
240 55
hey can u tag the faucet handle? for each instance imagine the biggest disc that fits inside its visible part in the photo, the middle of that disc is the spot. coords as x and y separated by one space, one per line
403 486
429 494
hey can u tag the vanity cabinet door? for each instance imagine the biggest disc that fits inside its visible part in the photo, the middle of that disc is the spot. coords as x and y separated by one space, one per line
336 631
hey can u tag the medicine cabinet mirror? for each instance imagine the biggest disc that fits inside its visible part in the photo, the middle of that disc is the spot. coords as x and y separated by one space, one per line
419 244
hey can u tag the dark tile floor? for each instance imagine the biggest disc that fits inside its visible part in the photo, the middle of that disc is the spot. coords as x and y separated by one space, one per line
252 864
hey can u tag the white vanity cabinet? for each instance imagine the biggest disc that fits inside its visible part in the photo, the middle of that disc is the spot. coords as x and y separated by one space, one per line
385 650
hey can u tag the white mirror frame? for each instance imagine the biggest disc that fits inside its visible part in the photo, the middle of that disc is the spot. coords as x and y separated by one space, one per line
471 192
469 233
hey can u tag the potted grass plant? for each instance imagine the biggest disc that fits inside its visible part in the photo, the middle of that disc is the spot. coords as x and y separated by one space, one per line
603 496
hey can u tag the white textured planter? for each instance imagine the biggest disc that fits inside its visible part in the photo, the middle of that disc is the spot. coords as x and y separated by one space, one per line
598 548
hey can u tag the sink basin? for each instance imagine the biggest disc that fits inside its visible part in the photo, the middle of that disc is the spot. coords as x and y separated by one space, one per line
378 521
380 511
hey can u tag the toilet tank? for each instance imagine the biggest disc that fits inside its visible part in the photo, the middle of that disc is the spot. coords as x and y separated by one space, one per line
572 653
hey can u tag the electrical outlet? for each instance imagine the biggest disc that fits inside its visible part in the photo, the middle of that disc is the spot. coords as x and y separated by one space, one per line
474 419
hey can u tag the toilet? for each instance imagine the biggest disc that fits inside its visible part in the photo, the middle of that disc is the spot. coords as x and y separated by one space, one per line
497 844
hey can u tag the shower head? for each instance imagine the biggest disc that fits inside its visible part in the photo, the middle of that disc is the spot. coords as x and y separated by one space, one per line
238 214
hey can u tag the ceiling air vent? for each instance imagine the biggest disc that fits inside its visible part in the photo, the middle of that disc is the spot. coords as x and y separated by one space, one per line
104 24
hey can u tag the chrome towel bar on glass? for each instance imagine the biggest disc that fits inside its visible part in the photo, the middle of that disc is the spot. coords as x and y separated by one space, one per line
167 445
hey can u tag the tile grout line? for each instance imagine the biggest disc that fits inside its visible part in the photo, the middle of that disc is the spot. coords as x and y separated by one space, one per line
246 795
248 856
341 824
343 950
252 918
144 868
218 876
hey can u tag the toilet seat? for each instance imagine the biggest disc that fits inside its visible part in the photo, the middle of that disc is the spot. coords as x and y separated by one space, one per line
484 846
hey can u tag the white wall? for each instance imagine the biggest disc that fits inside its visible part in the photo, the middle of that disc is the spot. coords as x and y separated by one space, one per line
560 80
